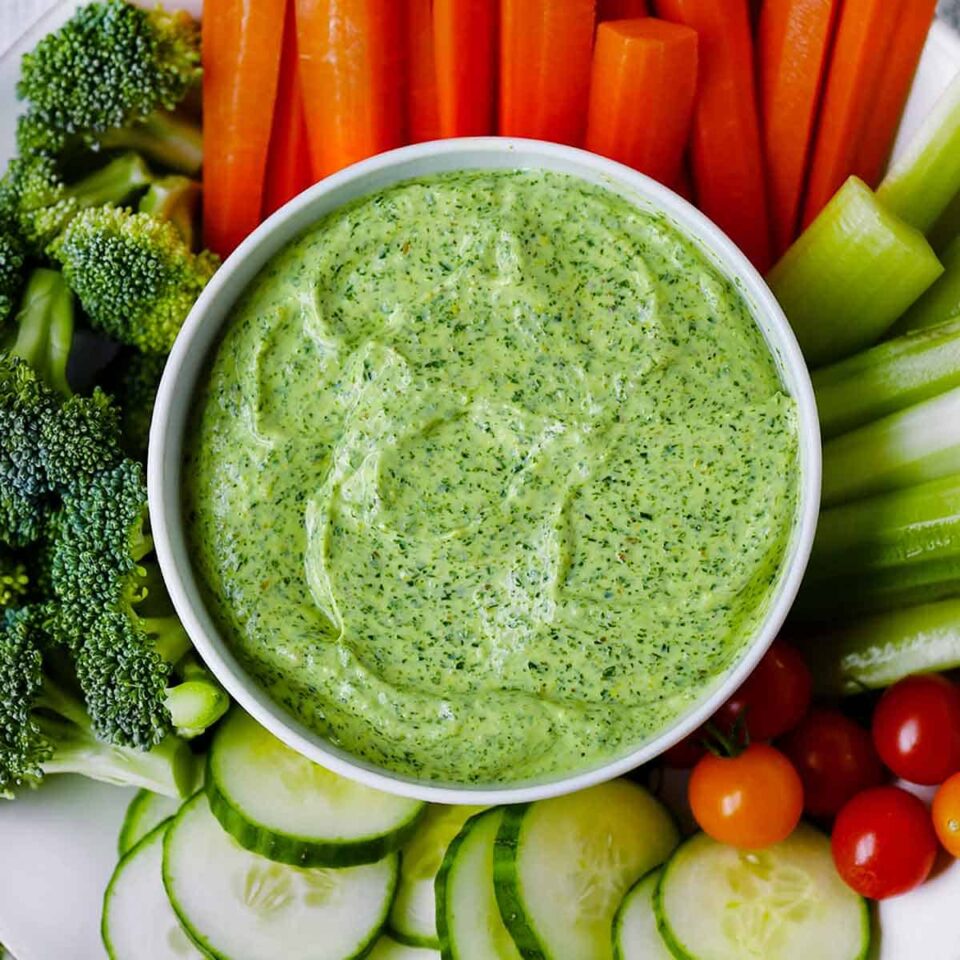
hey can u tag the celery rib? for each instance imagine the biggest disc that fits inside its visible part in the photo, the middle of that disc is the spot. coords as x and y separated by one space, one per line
942 301
851 274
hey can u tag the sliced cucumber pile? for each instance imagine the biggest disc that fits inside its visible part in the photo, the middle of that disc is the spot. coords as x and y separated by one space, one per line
468 920
237 905
564 865
413 917
146 811
786 902
635 933
386 948
138 921
283 806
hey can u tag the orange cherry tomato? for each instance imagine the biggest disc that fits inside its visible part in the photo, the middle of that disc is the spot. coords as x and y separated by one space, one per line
946 814
751 800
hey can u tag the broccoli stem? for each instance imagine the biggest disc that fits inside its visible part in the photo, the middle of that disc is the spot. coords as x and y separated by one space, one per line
168 139
44 331
112 183
196 705
174 198
168 769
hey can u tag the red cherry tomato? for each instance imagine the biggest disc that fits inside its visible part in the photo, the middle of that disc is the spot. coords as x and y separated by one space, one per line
946 815
883 842
916 728
775 696
752 800
835 759
686 752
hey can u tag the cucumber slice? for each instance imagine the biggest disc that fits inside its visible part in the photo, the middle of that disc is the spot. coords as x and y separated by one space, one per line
138 922
283 806
237 905
146 811
564 865
635 933
413 917
468 919
786 902
386 948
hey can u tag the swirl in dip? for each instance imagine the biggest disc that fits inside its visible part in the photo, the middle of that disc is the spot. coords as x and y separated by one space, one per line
492 475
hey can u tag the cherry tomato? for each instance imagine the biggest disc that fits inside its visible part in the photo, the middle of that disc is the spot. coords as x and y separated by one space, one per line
775 696
751 800
916 728
835 759
883 842
946 815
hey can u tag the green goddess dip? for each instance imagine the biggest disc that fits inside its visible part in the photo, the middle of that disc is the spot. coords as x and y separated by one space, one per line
492 475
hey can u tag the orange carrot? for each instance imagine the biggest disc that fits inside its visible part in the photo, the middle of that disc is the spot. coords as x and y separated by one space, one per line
864 30
899 67
726 151
241 62
621 9
545 50
288 159
351 68
793 44
642 92
466 44
423 108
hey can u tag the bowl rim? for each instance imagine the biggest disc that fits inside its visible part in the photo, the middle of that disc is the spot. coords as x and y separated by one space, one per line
200 335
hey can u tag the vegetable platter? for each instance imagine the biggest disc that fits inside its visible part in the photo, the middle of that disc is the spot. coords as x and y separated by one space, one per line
63 894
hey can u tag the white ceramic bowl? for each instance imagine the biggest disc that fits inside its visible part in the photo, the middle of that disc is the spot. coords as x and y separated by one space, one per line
200 335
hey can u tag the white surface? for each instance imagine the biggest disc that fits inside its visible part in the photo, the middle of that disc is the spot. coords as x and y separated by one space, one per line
58 845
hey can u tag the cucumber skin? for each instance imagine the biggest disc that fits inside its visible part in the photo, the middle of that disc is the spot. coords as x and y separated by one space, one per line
506 888
129 823
618 916
197 939
408 940
680 952
298 851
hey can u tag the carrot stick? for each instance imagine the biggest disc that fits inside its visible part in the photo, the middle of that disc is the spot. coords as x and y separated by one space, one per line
351 68
241 64
642 92
423 108
545 50
793 45
864 30
728 169
288 159
466 44
900 65
621 9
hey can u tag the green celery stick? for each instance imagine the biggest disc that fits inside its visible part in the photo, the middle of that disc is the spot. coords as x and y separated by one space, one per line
876 652
888 377
893 550
942 300
947 228
911 446
919 185
851 274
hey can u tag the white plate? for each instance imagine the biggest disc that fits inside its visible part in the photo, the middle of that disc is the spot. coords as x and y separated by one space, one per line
58 845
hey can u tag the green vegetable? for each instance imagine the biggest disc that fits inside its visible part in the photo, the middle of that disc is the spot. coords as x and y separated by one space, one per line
14 580
44 728
169 140
911 446
133 381
177 199
851 274
874 652
895 549
44 331
109 66
942 301
635 934
921 184
947 228
144 814
888 377
13 259
133 274
198 701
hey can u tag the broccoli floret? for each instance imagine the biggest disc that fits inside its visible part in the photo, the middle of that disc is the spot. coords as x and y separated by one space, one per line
174 198
44 203
133 380
13 261
14 580
47 444
43 334
113 612
133 274
111 65
44 729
